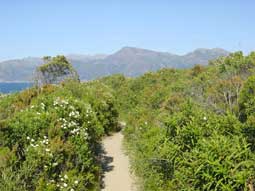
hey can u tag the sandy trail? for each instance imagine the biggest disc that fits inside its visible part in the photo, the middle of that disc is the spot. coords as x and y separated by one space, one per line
116 165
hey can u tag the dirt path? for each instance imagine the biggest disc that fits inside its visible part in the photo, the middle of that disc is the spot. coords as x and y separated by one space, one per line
116 165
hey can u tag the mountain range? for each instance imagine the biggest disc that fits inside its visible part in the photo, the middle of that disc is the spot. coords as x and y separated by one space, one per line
129 61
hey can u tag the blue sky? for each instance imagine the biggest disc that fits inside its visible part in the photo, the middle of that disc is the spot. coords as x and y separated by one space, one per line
50 27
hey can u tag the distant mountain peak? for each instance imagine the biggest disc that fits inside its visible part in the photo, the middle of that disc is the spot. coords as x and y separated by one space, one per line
127 48
86 56
130 49
208 50
131 61
134 51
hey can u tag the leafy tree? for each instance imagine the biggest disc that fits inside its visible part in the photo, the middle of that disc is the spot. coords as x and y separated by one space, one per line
226 93
247 110
197 69
55 70
247 99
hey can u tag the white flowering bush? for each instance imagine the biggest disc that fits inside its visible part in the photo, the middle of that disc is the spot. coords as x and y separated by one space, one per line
53 144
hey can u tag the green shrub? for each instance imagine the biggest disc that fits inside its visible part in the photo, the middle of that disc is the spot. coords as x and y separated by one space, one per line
51 144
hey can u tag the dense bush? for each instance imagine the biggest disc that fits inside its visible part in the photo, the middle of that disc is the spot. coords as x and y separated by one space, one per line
191 129
247 110
50 140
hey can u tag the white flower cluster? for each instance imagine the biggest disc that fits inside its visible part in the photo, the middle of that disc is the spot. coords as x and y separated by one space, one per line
64 183
74 114
42 106
75 131
73 128
42 147
66 124
70 122
43 144
45 140
60 102
33 144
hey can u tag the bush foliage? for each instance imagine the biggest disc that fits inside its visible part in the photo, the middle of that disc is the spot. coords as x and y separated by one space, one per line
49 138
191 129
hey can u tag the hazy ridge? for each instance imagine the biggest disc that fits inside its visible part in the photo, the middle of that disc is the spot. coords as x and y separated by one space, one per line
129 61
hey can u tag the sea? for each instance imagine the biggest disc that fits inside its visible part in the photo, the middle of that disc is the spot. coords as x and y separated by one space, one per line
11 87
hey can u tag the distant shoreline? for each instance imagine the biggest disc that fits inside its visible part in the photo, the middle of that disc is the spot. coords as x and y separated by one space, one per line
8 87
16 82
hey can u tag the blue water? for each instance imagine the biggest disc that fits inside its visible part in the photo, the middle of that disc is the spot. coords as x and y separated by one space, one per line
10 87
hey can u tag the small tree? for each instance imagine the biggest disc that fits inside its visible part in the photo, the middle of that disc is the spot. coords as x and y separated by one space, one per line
54 71
197 69
247 99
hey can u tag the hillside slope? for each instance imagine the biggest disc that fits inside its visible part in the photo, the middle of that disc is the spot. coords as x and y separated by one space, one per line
129 61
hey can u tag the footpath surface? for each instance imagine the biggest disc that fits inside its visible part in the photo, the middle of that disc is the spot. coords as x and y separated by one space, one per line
117 176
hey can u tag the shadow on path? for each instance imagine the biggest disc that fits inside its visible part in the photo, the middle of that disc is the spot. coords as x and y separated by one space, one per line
106 164
115 165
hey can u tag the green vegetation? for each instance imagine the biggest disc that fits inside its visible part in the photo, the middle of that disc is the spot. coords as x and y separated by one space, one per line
191 129
187 129
55 70
49 139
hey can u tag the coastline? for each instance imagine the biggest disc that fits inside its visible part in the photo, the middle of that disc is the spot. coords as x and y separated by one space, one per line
28 82
13 87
